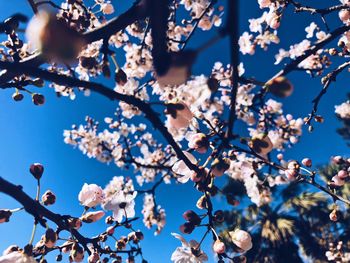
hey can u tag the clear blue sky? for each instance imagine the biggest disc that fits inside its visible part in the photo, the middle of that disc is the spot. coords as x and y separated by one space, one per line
34 134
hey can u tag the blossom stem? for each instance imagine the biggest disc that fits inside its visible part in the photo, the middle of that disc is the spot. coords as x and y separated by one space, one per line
33 233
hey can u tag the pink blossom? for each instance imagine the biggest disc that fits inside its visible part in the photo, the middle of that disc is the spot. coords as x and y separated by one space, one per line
90 195
241 239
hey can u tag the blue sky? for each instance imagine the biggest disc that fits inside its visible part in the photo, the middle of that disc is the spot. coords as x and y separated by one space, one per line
34 134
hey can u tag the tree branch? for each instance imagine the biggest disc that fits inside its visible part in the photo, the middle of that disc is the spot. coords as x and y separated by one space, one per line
331 77
233 30
136 12
150 114
159 13
312 50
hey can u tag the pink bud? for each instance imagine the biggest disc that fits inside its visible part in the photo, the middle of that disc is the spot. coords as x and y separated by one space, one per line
337 159
110 230
338 181
92 216
343 174
307 162
219 247
280 156
333 215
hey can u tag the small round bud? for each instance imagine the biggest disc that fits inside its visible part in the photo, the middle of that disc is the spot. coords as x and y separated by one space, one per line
202 202
332 51
109 220
48 198
219 247
17 96
187 228
110 230
38 99
343 174
319 119
307 162
50 238
338 159
219 216
192 217
120 77
213 84
37 170
74 222
92 217
5 215
334 215
337 181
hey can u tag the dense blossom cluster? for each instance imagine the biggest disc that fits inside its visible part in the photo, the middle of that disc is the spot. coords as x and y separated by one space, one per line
201 144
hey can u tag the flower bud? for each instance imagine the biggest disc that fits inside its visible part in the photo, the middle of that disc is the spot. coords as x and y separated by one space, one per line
77 253
187 228
202 202
91 217
120 244
334 215
88 62
120 77
280 87
67 246
17 96
192 217
110 230
241 239
342 174
109 220
38 99
219 216
319 119
94 258
307 162
107 8
213 84
337 181
48 198
5 215
37 170
219 247
338 159
74 222
50 238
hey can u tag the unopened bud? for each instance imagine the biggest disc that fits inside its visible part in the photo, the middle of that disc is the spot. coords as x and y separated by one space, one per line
38 99
120 77
37 170
5 215
48 198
